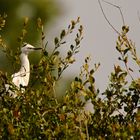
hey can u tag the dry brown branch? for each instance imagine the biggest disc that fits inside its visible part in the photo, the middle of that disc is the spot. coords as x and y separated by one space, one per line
107 18
118 7
138 16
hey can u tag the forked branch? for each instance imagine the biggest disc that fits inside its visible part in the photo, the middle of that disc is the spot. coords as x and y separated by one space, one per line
107 18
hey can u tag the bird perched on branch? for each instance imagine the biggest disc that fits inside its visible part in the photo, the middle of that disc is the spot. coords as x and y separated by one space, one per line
21 78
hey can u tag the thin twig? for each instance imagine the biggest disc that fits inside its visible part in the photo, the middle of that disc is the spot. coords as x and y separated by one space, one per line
87 133
138 16
122 16
128 71
107 18
118 7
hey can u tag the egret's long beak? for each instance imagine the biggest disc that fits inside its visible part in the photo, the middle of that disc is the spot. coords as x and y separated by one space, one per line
37 48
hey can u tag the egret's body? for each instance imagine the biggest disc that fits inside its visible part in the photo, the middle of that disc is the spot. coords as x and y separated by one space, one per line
21 78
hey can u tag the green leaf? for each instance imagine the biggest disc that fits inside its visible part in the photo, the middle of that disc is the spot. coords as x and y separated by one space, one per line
76 78
126 50
126 109
56 40
45 53
126 59
91 79
59 69
118 48
72 24
119 58
125 29
77 41
72 47
76 52
69 54
63 33
92 71
63 42
56 53
135 99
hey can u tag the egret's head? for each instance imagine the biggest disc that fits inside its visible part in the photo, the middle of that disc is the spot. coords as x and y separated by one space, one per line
27 48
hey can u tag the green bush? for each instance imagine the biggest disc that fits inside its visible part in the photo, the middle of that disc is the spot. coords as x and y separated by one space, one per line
38 114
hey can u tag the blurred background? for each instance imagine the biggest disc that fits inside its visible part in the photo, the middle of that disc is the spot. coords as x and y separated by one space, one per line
99 38
17 11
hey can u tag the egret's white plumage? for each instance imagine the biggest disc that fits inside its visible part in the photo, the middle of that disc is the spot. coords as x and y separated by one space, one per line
21 78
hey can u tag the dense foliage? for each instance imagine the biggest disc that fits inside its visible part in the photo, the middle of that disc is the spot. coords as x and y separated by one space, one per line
38 114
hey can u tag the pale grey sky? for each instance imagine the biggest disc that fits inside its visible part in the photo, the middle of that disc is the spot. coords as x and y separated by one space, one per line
99 39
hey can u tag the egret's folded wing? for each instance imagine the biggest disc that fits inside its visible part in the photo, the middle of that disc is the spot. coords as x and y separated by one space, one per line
19 79
16 79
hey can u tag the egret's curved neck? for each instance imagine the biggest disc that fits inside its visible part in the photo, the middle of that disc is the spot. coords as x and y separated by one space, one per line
25 65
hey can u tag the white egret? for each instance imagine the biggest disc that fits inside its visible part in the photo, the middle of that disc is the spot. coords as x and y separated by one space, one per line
21 78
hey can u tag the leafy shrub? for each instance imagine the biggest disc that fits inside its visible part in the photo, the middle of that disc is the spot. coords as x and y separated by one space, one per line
37 113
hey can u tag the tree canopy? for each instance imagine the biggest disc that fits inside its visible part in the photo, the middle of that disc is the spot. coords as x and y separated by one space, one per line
38 114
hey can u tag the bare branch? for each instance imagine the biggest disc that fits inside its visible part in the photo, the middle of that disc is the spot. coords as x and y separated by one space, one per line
118 7
107 18
138 16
